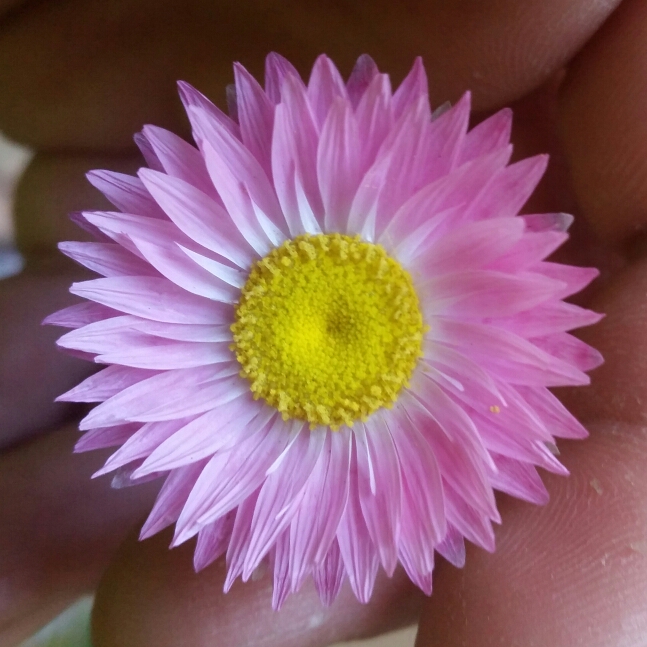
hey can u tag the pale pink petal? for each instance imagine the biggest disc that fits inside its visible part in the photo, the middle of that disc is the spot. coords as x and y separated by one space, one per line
255 115
212 541
364 71
321 506
324 88
485 293
221 427
145 148
184 332
570 349
183 393
80 314
281 566
191 98
171 498
277 68
518 479
198 216
452 547
532 248
380 501
105 437
329 575
574 278
357 550
127 193
338 164
490 135
105 384
176 266
107 259
240 540
411 89
179 159
151 298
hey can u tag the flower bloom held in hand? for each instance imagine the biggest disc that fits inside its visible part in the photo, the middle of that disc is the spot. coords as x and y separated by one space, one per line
327 328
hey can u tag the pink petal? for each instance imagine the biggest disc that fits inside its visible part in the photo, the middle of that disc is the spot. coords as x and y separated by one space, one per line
321 506
105 437
191 98
151 298
240 540
171 498
255 115
452 547
338 164
277 68
324 88
357 550
212 541
106 259
105 384
490 135
176 266
570 349
127 193
485 293
179 159
147 151
329 575
519 479
198 216
364 71
530 249
185 392
80 314
411 89
380 503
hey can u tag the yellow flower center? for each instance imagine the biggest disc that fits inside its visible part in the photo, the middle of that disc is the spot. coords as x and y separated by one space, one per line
328 329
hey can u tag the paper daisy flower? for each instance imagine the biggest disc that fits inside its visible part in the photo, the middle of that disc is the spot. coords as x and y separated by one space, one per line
327 328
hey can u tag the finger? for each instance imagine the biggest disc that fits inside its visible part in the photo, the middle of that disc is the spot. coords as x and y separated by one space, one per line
87 73
58 529
574 572
151 596
603 125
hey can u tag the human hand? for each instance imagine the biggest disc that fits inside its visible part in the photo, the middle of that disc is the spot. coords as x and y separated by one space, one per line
78 78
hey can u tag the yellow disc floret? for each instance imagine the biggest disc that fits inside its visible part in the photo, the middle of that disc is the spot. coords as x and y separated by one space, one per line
328 329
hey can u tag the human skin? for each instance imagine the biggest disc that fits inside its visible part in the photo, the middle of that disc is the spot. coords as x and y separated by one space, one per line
78 77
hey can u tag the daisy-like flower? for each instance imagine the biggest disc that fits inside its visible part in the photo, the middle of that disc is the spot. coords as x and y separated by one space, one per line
327 328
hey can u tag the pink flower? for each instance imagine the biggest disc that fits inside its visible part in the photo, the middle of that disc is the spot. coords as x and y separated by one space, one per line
327 328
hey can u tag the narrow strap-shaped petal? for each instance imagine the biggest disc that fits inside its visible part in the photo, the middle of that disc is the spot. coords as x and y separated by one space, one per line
105 437
219 428
80 314
324 88
363 73
452 547
357 550
470 247
255 115
322 504
145 148
151 298
180 159
491 134
381 505
277 68
507 355
192 98
472 524
574 278
105 384
198 216
185 332
411 89
531 248
185 392
106 259
212 541
519 480
171 498
570 349
338 164
329 575
282 487
281 567
485 293
175 265
240 540
127 193
148 438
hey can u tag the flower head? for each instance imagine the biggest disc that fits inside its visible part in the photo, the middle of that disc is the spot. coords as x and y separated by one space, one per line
327 327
